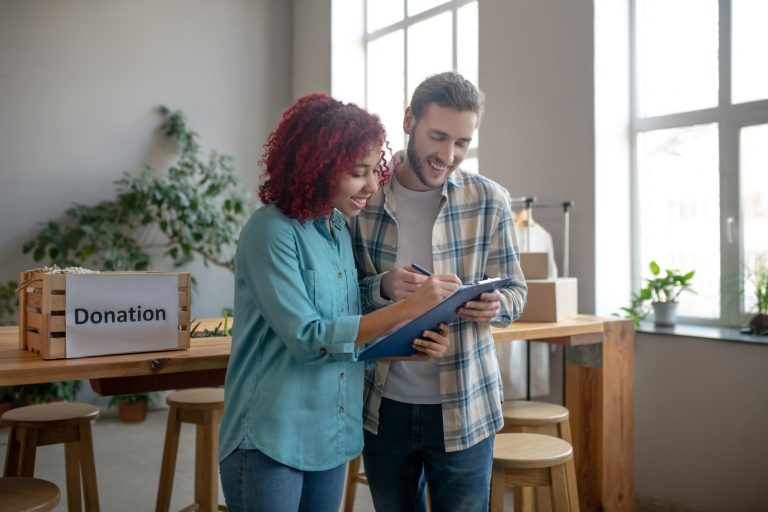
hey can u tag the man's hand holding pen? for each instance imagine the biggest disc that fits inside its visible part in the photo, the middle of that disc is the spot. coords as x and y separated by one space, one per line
402 282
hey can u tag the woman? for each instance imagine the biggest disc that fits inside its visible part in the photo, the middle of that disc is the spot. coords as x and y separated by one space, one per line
294 391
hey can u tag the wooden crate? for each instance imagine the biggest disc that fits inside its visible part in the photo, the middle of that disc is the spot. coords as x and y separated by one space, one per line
42 308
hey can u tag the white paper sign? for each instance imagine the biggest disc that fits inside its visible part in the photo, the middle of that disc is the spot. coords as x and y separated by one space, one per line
121 313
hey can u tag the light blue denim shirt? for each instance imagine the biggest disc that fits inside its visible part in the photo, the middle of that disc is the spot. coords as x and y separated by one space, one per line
293 388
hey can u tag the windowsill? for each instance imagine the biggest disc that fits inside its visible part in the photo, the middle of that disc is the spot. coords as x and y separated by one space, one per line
702 331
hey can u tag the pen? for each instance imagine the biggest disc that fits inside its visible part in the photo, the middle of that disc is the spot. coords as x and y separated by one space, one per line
421 269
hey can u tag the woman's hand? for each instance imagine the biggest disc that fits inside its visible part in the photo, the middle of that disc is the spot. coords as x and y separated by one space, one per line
400 283
431 292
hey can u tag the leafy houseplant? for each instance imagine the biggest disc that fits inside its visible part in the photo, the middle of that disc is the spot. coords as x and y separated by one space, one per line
29 394
759 279
132 407
198 206
659 294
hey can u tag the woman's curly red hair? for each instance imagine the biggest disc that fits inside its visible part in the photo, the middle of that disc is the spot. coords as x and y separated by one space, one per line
316 142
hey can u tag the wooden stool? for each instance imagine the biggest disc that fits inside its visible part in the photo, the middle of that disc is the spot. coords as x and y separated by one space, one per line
533 460
203 407
53 423
536 418
22 494
354 477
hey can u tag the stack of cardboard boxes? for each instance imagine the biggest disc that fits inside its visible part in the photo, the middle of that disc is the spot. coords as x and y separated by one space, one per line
550 299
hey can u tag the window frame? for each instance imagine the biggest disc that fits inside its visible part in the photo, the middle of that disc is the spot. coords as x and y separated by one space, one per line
451 6
730 119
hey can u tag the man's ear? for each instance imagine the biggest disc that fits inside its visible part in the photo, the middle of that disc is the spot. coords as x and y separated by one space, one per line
409 121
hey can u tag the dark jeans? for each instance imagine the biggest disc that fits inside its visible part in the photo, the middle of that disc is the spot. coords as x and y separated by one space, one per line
409 451
253 482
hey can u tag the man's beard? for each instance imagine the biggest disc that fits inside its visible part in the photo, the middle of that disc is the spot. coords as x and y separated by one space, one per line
418 164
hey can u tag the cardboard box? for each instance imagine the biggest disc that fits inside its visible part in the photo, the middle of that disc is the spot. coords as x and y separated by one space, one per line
43 305
551 300
535 265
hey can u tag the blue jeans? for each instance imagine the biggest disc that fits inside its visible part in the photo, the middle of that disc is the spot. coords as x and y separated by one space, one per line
253 482
409 452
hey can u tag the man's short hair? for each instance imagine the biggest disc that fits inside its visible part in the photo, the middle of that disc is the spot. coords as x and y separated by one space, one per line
448 89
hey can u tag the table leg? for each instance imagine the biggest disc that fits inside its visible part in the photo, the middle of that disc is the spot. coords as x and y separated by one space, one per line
599 397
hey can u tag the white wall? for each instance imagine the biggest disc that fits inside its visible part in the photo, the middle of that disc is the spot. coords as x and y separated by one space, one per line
537 136
700 423
79 82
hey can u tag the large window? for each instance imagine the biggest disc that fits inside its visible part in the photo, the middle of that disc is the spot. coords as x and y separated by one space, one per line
408 40
700 146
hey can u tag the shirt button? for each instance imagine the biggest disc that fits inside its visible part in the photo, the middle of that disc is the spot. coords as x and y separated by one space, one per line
341 275
323 351
341 408
341 309
341 376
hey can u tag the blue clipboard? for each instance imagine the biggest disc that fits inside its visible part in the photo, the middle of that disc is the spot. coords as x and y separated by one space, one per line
399 342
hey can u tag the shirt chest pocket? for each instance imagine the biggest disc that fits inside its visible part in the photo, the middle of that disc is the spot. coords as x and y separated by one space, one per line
331 291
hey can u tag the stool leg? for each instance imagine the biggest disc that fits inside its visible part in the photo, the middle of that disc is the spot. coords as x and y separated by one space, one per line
12 454
206 481
168 467
353 469
543 499
573 493
497 489
27 451
559 489
524 499
88 467
72 465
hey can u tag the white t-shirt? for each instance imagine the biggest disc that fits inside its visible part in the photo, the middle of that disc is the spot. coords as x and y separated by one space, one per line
414 382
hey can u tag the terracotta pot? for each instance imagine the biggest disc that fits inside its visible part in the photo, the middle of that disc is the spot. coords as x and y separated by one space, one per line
132 413
5 407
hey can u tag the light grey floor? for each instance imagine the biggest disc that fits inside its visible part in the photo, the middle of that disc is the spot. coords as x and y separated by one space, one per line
128 458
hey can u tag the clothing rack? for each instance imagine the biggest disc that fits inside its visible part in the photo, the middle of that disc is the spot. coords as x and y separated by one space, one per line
530 203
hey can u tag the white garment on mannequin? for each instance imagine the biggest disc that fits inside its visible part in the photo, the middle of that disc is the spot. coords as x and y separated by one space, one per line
512 354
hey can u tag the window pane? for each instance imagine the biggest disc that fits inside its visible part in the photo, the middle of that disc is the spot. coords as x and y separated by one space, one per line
677 56
417 6
678 197
750 42
385 84
430 48
470 164
382 13
754 201
467 47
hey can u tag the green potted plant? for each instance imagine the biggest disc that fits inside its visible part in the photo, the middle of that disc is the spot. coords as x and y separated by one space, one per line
758 278
659 295
7 399
29 394
133 407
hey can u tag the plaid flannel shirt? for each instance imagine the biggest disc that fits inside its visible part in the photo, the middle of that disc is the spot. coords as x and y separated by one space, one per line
473 237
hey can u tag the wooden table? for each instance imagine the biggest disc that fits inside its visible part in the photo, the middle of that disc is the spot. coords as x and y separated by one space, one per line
598 389
598 393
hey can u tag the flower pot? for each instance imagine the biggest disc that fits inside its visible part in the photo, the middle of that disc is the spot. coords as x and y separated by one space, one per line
759 324
132 412
664 313
6 406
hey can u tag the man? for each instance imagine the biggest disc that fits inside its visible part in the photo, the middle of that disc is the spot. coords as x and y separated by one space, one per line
436 421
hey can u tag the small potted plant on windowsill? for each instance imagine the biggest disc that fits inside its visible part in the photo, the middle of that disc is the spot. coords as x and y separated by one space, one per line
759 280
659 295
132 408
